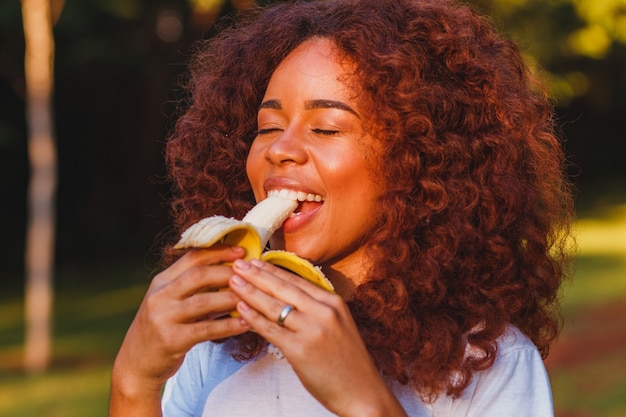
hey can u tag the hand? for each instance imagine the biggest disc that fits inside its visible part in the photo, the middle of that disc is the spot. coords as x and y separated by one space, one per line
319 339
176 313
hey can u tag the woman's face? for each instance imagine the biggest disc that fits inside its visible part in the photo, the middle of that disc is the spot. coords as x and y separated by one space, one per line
311 140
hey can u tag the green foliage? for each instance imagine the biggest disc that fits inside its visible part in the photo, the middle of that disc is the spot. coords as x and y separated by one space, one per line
558 34
578 48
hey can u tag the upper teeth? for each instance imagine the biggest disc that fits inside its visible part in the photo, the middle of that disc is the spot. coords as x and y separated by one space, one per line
295 195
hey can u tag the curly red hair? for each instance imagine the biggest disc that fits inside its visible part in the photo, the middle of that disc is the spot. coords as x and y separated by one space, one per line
474 220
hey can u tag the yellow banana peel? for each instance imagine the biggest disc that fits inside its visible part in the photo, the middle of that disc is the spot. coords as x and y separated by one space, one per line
252 233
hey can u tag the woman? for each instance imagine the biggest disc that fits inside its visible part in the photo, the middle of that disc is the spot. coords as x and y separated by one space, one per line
442 222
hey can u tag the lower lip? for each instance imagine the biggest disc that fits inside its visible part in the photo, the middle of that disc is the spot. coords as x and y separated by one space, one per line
299 221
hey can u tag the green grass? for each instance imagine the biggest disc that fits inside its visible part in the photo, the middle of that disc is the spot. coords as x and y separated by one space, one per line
68 392
595 389
597 280
89 325
90 322
595 384
600 266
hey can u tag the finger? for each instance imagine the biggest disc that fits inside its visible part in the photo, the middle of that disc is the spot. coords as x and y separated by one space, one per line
263 303
200 279
267 327
207 305
217 254
310 288
273 282
214 255
268 294
282 284
214 329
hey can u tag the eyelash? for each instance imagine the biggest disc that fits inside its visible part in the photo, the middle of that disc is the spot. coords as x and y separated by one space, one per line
266 131
325 132
317 131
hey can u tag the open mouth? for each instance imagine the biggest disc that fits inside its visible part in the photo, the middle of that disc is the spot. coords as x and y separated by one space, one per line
306 206
306 201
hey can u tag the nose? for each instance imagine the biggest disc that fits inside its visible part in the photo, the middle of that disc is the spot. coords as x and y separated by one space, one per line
288 147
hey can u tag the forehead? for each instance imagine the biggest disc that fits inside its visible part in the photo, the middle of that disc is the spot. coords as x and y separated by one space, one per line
315 60
317 50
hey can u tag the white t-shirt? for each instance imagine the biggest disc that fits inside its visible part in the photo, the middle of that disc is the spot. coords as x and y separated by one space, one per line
211 383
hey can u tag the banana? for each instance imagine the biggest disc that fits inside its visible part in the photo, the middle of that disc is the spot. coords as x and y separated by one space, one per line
252 233
299 266
268 215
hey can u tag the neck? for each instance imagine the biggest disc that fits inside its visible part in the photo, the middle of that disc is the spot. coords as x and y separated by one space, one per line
346 276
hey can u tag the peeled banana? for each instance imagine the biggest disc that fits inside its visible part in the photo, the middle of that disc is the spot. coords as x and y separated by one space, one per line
252 233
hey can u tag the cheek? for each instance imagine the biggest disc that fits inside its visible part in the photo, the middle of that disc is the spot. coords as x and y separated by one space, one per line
355 173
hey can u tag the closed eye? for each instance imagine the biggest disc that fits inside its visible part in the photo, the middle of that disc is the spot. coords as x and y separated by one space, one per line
325 132
267 131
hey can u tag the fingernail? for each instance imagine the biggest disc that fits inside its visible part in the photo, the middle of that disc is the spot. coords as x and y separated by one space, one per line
237 281
256 262
242 306
241 264
237 249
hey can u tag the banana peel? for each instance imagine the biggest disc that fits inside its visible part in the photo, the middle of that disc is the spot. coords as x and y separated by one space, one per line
252 233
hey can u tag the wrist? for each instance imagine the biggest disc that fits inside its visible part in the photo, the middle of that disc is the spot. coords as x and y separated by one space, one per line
132 396
382 404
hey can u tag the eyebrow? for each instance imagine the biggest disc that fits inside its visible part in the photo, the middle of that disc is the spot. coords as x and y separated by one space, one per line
312 105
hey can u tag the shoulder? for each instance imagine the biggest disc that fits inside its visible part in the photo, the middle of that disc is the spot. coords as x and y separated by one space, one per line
512 341
516 384
518 363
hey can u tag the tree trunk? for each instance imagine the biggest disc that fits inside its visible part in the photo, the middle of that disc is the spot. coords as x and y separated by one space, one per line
39 58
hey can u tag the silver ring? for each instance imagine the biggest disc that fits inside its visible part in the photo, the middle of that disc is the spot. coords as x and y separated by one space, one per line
283 315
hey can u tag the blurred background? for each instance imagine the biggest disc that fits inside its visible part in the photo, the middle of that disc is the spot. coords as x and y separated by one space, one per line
117 69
